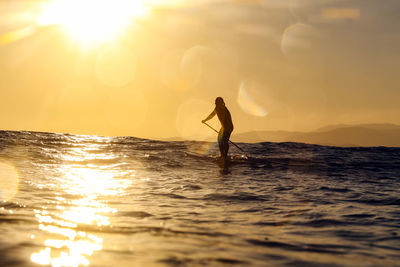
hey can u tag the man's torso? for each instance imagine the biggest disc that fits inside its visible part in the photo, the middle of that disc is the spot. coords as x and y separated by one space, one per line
225 118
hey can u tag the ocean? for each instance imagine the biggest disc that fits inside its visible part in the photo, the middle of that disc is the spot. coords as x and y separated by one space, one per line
79 200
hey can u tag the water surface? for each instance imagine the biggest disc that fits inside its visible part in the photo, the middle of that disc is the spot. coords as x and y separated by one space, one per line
71 200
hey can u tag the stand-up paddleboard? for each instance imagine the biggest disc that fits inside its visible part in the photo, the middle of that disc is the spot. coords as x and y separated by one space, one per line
232 159
238 160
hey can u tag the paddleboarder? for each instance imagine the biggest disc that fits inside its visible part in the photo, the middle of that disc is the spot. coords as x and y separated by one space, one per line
225 118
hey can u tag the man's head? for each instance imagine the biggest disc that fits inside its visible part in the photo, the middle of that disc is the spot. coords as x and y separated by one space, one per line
219 101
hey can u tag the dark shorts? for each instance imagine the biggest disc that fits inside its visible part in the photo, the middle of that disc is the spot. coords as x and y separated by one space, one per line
223 136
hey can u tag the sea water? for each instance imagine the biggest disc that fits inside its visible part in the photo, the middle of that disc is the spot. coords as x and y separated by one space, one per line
74 200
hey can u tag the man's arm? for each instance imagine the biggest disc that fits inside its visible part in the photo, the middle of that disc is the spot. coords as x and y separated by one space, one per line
209 116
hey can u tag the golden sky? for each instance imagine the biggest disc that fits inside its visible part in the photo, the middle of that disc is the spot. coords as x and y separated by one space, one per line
152 68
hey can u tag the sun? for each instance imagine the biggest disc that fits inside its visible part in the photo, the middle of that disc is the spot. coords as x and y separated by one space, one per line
92 21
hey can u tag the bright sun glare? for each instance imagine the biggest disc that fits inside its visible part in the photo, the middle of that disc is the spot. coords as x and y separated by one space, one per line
92 21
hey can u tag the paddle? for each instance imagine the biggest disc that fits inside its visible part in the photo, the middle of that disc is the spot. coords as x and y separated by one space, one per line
229 140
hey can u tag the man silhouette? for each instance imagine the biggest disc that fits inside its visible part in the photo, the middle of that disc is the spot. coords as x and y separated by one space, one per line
224 117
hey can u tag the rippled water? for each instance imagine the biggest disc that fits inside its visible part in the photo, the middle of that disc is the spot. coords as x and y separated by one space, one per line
72 200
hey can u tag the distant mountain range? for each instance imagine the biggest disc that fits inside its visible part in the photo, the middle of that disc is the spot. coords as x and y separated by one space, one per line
379 134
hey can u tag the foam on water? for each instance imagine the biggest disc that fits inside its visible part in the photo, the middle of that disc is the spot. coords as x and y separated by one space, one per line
124 201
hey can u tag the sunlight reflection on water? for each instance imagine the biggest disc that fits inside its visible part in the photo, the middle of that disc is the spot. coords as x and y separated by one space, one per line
65 244
9 181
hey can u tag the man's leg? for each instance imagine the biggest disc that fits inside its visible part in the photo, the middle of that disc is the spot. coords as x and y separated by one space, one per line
221 142
225 143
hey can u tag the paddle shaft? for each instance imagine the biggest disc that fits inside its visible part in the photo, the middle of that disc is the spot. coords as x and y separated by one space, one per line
229 140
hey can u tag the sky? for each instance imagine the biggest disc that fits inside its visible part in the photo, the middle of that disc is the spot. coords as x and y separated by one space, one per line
154 68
